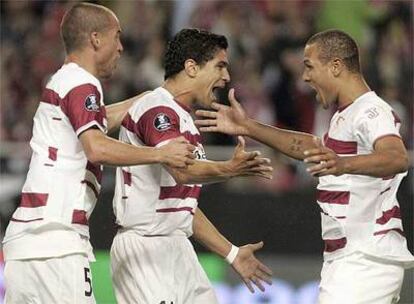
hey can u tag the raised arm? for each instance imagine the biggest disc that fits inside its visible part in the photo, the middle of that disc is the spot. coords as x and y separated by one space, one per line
116 112
241 164
233 120
249 268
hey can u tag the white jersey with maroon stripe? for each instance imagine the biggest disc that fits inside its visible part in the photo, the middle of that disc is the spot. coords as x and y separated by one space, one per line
359 212
147 198
61 188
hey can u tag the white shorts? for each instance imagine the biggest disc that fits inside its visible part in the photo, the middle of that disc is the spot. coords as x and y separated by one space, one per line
360 279
155 270
63 280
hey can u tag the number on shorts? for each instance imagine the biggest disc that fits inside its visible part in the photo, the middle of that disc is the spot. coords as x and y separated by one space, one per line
88 280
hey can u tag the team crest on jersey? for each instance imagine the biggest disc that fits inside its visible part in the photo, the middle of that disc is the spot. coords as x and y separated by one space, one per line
162 122
91 103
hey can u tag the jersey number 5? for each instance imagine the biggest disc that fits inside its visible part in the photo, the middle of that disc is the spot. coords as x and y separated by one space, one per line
88 280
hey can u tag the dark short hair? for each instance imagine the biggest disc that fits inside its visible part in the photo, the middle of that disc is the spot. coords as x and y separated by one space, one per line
196 44
337 44
80 21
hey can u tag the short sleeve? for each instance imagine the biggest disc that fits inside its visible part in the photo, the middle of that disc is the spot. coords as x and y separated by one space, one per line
374 123
157 125
83 106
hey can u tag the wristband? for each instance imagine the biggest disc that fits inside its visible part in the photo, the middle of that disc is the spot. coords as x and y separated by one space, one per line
232 254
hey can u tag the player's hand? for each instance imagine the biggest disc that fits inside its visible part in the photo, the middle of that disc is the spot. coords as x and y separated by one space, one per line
249 163
177 153
250 269
230 120
326 161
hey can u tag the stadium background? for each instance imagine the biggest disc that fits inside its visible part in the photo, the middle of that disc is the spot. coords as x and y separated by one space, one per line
266 40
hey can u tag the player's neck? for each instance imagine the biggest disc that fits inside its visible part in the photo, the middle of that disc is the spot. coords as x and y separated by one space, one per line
82 60
351 89
181 92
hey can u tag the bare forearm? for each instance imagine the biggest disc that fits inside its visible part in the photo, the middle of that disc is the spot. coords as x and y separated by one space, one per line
108 151
208 235
376 164
290 143
204 172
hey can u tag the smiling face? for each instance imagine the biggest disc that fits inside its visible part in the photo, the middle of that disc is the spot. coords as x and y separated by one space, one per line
319 76
110 49
211 75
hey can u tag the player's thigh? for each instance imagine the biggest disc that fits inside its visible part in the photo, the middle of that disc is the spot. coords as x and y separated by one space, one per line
18 288
77 279
359 279
55 280
142 269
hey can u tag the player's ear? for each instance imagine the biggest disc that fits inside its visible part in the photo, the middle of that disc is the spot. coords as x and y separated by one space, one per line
337 66
95 40
191 68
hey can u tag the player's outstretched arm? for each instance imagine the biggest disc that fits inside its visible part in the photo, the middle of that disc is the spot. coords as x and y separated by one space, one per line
241 164
116 112
102 149
250 269
389 158
233 120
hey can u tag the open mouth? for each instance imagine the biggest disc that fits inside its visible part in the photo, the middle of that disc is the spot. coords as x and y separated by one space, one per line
215 91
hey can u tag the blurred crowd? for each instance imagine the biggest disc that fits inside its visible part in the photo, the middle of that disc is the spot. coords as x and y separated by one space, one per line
266 40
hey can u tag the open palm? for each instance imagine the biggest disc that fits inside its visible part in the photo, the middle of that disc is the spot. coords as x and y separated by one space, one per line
231 119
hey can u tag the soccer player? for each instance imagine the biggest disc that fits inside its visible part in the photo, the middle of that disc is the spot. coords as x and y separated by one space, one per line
156 206
46 245
360 165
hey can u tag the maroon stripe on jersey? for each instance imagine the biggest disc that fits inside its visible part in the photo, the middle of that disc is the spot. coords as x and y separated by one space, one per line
79 217
33 200
388 177
53 153
82 105
381 232
333 197
26 221
192 138
168 210
96 170
150 130
128 123
92 186
179 191
332 245
51 97
127 177
341 147
397 119
394 212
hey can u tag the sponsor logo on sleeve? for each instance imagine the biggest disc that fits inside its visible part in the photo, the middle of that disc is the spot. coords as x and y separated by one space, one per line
372 113
162 122
91 103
